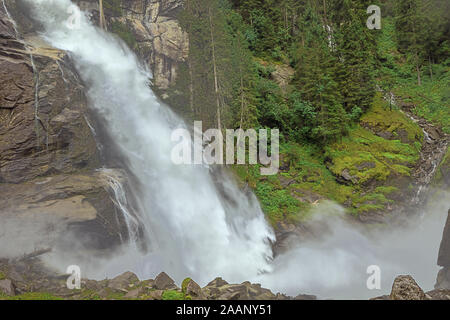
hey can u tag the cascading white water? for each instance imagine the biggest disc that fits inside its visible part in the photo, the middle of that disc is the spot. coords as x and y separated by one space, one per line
13 22
191 231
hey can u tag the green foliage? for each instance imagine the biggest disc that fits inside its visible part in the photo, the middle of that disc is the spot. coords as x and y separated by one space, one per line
379 158
382 119
2 276
172 295
330 112
184 284
431 99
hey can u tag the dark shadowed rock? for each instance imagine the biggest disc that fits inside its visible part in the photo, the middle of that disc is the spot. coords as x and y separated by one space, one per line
444 250
443 279
48 152
406 288
164 282
7 287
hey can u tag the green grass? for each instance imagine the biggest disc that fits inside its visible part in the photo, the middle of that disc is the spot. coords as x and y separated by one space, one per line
31 296
173 295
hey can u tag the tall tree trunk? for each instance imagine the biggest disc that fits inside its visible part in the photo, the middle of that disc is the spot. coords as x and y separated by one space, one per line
189 61
191 86
102 15
216 81
324 3
242 105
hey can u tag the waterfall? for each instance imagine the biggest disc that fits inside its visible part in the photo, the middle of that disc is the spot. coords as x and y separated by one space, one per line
36 98
121 202
13 22
187 223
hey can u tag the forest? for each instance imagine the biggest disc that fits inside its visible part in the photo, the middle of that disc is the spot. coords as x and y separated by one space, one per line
315 71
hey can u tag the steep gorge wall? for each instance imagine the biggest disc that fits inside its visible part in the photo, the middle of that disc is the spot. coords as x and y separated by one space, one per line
48 152
153 24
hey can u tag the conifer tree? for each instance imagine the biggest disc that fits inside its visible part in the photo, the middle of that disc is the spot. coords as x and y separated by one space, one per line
411 28
355 50
315 80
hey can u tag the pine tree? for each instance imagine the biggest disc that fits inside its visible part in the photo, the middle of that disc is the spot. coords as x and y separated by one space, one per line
411 31
355 50
210 69
315 79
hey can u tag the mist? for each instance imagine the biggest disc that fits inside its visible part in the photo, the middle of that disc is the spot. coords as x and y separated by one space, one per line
200 228
335 266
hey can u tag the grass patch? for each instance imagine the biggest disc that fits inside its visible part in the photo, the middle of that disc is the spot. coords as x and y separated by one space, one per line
31 296
173 295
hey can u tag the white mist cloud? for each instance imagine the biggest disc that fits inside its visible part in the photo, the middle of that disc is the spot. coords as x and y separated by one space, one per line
336 265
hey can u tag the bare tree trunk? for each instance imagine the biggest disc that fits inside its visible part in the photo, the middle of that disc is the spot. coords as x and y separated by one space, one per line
102 15
216 81
191 86
191 73
325 12
242 106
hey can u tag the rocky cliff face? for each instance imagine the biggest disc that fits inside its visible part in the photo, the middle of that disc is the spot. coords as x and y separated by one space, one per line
443 278
160 41
48 153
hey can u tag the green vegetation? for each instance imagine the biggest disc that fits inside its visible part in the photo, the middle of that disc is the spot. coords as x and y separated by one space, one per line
342 138
173 295
184 284
431 98
31 296
124 33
